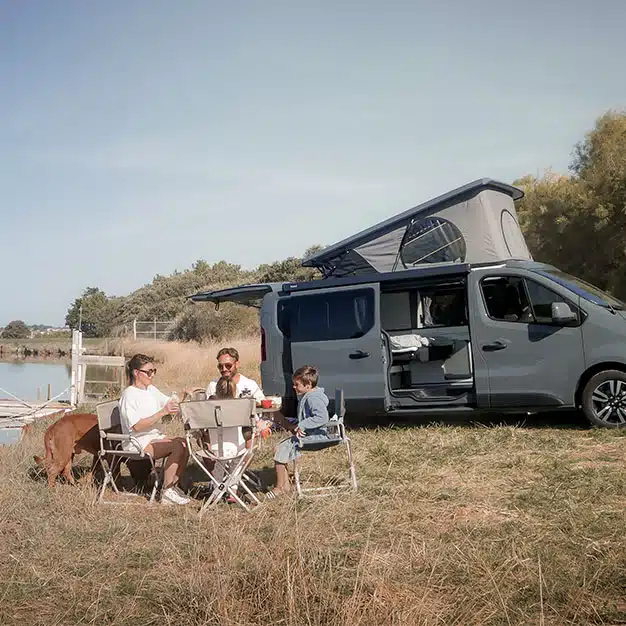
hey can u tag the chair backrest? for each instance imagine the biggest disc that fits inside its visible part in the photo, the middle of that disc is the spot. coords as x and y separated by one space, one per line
203 414
108 414
199 394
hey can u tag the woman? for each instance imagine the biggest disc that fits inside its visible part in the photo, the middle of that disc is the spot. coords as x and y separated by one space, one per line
142 405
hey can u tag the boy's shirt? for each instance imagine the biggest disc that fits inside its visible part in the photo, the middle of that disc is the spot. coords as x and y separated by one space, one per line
313 409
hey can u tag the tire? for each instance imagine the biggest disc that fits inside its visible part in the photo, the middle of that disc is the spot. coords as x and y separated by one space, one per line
604 399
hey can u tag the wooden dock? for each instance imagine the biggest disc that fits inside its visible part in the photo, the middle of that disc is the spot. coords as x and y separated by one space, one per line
26 412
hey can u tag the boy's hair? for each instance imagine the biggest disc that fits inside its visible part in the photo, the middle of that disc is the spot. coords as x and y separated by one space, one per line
225 388
231 352
307 375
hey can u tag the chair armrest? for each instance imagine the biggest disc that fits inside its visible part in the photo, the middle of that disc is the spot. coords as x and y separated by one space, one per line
117 437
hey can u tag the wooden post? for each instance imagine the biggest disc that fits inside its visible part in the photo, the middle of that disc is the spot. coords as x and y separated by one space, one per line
135 329
49 391
82 368
155 328
74 375
38 394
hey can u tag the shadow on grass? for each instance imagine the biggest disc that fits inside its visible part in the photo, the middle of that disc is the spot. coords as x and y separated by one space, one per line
570 420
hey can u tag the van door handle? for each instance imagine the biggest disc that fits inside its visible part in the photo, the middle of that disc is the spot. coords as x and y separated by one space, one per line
496 345
359 354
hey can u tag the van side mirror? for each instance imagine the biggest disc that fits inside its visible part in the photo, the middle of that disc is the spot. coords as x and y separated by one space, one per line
562 313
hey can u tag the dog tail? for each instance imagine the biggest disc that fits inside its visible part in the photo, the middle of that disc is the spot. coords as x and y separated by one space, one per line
47 460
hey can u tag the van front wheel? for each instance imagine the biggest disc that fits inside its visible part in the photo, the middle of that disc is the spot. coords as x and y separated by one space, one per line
604 399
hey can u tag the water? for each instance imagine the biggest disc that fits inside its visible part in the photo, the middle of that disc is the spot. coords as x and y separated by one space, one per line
22 378
9 436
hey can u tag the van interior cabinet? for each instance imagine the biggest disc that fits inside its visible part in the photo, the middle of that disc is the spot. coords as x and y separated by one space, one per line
426 336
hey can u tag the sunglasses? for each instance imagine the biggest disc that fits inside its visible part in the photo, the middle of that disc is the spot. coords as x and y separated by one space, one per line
149 373
225 366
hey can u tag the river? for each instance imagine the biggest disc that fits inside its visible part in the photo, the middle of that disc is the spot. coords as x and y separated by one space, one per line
22 378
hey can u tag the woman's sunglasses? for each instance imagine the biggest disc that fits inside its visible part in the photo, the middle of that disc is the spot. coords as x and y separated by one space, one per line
149 373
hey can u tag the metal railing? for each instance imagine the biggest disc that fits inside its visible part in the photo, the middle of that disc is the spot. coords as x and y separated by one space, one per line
155 329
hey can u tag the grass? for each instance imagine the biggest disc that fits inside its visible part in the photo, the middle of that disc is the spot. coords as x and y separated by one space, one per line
452 525
182 365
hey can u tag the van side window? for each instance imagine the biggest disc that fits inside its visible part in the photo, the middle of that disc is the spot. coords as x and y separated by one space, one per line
513 299
506 300
443 307
329 316
541 299
395 310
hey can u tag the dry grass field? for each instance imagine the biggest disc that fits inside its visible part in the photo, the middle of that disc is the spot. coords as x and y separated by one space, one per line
452 525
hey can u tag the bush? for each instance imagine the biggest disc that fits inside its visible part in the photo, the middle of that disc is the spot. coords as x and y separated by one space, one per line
16 329
202 322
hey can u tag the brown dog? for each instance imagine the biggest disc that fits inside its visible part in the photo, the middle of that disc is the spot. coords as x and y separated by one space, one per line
74 432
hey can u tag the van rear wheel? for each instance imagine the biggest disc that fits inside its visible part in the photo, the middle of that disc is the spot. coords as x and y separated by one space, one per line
604 399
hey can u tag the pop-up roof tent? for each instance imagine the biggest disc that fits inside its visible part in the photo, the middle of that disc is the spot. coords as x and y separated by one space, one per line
476 223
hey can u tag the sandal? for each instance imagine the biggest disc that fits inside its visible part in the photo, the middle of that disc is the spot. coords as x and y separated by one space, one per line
276 493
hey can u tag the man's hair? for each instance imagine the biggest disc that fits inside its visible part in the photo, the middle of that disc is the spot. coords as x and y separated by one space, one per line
225 388
307 375
231 352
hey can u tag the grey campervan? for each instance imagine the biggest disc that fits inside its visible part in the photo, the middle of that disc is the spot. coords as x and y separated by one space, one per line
441 309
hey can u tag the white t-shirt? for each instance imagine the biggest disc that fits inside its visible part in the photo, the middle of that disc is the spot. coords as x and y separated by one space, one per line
233 437
135 404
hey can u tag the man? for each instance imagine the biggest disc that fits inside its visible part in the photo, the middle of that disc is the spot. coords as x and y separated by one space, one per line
228 366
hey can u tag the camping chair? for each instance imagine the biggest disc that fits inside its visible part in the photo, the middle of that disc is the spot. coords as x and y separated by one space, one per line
338 436
111 452
212 417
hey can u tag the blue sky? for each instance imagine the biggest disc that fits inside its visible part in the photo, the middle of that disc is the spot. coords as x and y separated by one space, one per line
137 136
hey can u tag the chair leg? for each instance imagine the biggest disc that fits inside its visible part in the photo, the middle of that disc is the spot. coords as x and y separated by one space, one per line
351 464
107 477
114 466
249 492
296 475
253 479
155 487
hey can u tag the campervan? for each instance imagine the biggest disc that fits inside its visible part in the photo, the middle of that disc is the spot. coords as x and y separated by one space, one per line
442 310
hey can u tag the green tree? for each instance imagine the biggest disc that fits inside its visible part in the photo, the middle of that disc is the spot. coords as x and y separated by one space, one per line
16 329
98 313
578 222
288 270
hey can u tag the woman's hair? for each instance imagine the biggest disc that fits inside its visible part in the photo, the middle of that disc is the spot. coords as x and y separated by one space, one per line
225 388
136 363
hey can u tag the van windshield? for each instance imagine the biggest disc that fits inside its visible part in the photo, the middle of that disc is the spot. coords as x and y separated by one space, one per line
583 289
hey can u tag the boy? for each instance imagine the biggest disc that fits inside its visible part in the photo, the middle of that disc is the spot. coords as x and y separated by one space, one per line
312 420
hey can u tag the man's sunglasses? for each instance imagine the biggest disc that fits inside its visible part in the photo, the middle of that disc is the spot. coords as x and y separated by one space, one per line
149 373
225 366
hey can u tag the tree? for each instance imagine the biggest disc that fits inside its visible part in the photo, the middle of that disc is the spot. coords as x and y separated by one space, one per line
16 329
288 270
97 315
578 222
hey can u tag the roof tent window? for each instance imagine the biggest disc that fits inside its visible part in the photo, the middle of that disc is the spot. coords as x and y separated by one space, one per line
432 240
513 238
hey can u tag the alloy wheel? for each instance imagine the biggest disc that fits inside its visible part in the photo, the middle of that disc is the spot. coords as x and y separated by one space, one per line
609 402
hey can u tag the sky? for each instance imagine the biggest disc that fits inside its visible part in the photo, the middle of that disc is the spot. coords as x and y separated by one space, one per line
138 136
